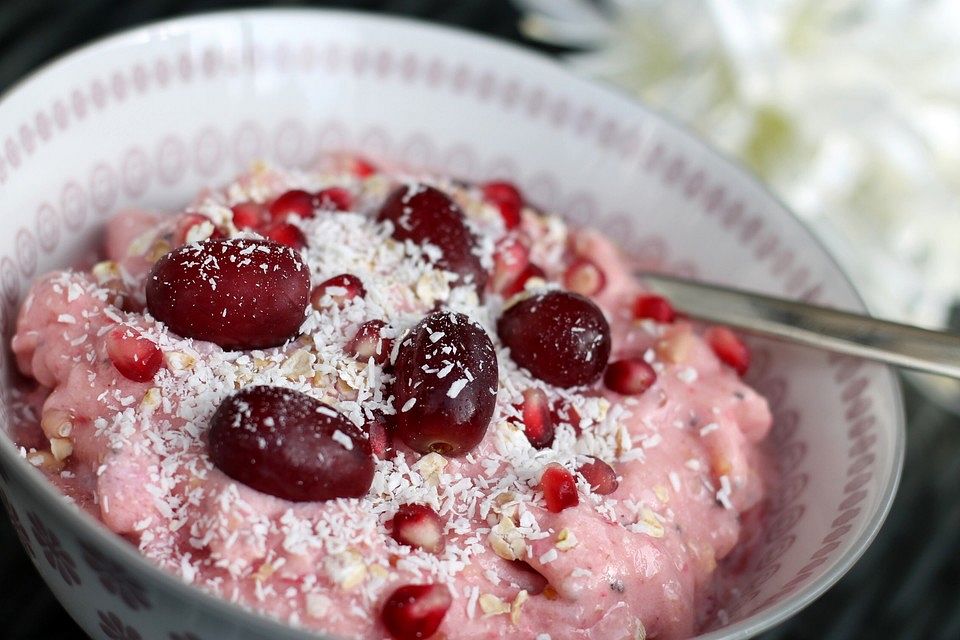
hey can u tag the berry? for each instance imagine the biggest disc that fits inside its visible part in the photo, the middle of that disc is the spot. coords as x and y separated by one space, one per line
135 357
584 277
415 611
334 199
361 167
342 289
562 338
559 488
506 197
248 215
426 215
630 376
729 348
418 526
537 418
285 233
445 386
510 259
368 342
600 475
653 307
289 445
293 203
520 283
238 293
379 436
193 227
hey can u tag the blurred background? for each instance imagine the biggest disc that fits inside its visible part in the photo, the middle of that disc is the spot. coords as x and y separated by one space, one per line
848 109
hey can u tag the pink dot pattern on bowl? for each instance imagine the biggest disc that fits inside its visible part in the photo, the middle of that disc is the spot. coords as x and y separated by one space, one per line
296 143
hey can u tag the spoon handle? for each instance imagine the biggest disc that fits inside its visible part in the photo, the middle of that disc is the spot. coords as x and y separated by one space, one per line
840 331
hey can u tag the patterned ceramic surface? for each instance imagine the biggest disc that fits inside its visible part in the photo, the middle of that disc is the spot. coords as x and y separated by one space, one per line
149 117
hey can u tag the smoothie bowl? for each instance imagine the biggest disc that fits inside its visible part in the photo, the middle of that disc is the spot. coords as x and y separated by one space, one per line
318 323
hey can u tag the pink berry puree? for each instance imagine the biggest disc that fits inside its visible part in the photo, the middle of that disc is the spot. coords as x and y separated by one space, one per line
381 405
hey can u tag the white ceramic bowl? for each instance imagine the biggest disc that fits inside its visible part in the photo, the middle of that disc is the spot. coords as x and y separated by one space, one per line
150 116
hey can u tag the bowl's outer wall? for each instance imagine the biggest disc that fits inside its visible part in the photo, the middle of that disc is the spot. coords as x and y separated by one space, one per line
150 117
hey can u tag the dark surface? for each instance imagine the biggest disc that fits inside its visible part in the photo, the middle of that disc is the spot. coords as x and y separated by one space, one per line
905 587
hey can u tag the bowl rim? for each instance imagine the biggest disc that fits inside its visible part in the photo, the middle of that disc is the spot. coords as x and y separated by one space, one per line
748 627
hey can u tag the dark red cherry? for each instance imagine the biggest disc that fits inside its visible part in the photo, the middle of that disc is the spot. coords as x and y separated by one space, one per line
427 215
293 203
560 337
445 386
238 293
289 445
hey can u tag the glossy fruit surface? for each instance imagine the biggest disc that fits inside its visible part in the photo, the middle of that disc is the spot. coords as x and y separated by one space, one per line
729 348
445 386
629 376
559 488
134 357
560 337
341 289
507 198
424 215
238 293
289 445
295 202
601 476
653 307
418 526
415 611
538 418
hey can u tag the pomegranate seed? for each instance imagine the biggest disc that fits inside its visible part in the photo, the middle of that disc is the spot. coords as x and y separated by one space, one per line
559 488
286 234
214 291
445 386
368 343
654 307
507 198
584 277
289 445
630 376
342 289
520 283
362 168
293 203
537 418
428 216
418 526
729 348
248 215
564 413
562 338
415 611
380 441
601 476
135 357
187 226
510 259
334 199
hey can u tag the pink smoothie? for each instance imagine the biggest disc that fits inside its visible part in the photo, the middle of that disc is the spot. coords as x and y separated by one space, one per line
637 562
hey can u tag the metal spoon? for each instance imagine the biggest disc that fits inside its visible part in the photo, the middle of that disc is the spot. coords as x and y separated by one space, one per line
840 331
